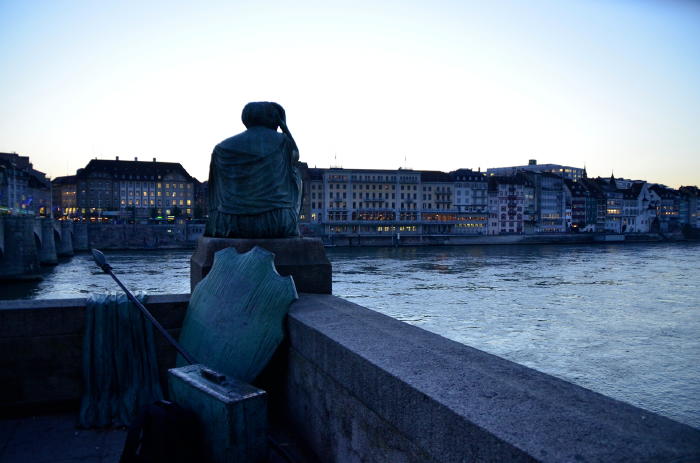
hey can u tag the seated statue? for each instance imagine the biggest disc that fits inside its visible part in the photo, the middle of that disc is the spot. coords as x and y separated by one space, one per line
254 184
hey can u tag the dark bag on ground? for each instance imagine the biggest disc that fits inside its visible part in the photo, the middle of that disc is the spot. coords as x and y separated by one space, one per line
163 432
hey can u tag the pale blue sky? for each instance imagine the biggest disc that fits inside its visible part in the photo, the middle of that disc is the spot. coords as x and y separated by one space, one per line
611 84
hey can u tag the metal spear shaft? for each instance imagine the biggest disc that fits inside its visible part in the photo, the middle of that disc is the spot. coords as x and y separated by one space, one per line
101 262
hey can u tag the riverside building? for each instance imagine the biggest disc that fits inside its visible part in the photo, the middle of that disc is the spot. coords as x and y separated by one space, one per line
23 189
126 190
365 202
567 172
402 203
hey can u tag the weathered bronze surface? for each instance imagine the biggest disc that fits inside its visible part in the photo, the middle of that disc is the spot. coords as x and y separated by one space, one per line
234 321
232 414
254 184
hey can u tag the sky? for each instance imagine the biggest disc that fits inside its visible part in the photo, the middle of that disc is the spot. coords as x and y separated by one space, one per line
441 85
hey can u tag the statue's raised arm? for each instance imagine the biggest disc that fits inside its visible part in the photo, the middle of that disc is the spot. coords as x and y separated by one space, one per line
254 184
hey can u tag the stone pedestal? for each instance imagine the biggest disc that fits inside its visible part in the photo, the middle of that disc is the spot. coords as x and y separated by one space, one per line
302 258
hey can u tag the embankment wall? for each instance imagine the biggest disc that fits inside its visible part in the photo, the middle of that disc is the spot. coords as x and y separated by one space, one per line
143 236
356 385
407 239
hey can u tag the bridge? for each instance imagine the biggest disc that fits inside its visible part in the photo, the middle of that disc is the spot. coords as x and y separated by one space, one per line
27 242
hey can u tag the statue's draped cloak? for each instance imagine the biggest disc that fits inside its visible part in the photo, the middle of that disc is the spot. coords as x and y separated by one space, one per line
254 172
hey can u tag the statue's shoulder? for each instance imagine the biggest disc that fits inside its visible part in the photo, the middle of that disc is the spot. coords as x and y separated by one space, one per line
253 137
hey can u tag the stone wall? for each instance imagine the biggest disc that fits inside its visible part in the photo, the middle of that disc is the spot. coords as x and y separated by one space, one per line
361 386
47 252
65 242
80 237
143 236
407 239
356 385
41 343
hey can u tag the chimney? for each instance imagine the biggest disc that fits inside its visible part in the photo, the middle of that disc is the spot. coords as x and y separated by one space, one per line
154 159
532 162
117 158
135 158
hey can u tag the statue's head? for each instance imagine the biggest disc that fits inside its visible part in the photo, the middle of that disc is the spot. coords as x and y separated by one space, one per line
263 114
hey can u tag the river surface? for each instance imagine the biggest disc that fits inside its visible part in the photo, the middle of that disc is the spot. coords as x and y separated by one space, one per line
623 320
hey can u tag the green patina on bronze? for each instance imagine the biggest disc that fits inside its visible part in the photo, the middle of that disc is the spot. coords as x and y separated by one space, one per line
234 320
231 413
254 184
120 368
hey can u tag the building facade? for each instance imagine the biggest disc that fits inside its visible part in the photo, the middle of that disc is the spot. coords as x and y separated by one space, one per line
567 172
127 190
23 189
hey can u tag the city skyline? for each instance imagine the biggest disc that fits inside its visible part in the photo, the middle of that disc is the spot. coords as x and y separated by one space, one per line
606 85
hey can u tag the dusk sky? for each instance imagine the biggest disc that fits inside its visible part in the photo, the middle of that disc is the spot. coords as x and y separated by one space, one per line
612 85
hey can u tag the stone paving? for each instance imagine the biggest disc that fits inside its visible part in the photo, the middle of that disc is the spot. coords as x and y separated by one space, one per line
55 439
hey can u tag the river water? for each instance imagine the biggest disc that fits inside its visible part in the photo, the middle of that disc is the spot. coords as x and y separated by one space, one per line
623 320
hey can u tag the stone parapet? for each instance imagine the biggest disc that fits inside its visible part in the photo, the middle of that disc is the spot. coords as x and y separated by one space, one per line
360 386
357 385
302 258
42 340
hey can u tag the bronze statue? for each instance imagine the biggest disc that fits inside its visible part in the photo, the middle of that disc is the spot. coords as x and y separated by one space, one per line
254 183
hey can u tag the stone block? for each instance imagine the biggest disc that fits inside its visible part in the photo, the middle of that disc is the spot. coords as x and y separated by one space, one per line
232 415
361 386
302 258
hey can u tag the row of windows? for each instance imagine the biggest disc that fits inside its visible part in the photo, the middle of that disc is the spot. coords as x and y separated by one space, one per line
151 202
343 186
138 185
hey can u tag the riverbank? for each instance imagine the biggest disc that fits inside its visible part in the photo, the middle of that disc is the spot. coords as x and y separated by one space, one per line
472 240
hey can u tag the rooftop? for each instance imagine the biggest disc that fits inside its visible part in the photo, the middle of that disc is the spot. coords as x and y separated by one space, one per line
127 169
